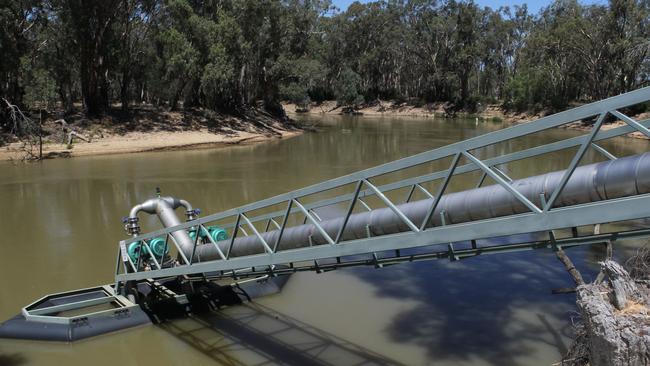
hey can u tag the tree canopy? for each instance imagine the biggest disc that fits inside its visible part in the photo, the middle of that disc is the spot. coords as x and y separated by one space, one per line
227 55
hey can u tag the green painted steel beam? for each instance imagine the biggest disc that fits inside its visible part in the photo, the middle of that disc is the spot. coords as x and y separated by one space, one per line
622 209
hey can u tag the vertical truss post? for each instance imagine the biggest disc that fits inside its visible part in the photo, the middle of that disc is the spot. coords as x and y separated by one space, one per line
481 180
117 269
410 194
339 235
234 235
441 190
284 225
196 241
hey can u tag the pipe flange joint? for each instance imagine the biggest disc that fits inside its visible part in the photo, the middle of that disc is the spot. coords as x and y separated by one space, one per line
132 227
192 214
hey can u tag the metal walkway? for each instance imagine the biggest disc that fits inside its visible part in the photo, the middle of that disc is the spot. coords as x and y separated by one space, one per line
431 238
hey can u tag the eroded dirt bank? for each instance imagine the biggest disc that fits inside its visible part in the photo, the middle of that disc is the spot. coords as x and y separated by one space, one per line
147 129
442 110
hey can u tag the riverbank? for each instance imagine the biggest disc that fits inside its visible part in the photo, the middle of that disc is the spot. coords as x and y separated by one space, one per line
146 130
492 112
378 108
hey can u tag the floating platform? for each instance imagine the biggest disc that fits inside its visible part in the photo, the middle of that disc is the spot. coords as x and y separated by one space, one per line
74 315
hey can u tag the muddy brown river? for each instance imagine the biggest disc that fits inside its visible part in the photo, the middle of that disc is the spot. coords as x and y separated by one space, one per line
60 224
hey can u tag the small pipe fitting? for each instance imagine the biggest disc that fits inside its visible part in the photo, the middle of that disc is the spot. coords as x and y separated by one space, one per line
192 214
132 227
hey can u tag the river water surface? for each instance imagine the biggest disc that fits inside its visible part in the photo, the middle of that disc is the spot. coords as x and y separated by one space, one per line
61 221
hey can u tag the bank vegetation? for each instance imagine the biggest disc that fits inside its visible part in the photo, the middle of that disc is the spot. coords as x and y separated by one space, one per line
109 59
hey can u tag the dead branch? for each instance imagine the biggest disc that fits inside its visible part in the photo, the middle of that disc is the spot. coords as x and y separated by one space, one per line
26 131
639 264
69 133
568 264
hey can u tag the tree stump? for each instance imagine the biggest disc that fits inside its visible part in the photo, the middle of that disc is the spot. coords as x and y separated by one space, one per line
616 317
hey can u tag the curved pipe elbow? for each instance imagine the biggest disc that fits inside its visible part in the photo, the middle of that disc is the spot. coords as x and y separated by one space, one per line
187 205
148 206
134 211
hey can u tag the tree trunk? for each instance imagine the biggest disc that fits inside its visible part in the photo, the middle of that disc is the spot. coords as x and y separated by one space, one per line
92 21
464 87
65 93
124 91
615 316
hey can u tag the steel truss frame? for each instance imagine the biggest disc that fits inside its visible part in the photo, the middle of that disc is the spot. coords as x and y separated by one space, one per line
540 219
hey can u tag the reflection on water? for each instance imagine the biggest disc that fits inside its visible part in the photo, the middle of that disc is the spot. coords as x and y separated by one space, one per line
61 221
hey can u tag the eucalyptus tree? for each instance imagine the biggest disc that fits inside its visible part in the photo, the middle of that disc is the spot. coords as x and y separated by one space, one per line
231 55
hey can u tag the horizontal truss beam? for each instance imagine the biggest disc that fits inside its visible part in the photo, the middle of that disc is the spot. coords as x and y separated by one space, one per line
622 209
456 254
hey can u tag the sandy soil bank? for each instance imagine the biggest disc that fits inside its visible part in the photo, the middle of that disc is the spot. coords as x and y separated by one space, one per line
134 142
146 128
582 127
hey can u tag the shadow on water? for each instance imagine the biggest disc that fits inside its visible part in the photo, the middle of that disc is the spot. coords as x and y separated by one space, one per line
493 308
12 359
253 334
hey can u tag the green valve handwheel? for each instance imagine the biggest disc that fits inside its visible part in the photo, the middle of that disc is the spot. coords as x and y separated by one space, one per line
157 246
217 233
192 234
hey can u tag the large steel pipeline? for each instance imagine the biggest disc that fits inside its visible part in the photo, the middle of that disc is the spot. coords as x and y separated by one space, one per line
607 180
612 179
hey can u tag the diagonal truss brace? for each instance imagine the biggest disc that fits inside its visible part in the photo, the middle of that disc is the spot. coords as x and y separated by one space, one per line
502 182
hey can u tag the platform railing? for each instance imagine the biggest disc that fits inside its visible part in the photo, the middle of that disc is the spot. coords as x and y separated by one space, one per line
543 217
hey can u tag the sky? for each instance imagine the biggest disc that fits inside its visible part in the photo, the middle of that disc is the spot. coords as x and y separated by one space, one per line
533 5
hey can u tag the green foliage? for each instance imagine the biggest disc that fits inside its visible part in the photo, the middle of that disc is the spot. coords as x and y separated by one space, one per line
346 88
528 91
40 88
302 77
228 55
218 78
